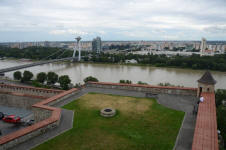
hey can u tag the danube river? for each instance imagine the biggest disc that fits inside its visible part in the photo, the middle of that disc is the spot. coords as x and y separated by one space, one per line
115 72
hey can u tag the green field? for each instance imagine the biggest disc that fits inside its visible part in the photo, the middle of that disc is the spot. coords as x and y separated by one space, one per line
140 124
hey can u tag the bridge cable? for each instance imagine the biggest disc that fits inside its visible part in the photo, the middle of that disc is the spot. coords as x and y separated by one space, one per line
52 54
62 53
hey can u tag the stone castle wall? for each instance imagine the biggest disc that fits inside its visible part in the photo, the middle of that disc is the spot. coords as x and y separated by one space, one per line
29 90
40 101
145 88
16 100
41 114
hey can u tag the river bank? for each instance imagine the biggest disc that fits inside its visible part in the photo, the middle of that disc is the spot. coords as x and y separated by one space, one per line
108 63
106 72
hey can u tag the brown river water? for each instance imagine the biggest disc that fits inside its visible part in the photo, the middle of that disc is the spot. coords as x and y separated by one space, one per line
115 72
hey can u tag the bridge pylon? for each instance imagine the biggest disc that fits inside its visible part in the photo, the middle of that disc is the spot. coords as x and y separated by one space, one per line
77 47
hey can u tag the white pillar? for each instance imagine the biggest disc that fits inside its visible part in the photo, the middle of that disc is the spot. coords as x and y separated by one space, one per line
78 47
74 52
79 51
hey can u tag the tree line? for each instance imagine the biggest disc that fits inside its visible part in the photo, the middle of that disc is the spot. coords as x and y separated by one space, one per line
50 78
217 62
221 115
36 53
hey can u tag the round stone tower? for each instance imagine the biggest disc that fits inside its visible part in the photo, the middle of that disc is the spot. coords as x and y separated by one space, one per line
206 83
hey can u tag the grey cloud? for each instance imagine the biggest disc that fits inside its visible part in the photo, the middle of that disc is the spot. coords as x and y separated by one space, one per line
216 29
130 16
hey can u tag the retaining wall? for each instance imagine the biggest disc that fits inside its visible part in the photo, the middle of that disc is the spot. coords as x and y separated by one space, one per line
18 100
28 136
41 114
145 88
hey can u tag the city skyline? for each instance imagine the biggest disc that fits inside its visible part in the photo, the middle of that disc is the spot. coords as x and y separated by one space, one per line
129 20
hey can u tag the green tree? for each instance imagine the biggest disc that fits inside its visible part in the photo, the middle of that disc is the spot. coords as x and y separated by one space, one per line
64 81
125 81
90 78
128 81
221 121
52 78
220 96
140 82
27 76
122 81
41 77
17 75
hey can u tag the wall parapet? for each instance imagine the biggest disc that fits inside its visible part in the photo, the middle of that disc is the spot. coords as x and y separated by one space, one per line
23 95
51 121
29 90
145 88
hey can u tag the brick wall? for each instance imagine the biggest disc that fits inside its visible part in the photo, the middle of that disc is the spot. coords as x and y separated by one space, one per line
205 135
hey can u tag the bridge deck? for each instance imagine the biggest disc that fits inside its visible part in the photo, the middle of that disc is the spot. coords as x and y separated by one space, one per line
32 64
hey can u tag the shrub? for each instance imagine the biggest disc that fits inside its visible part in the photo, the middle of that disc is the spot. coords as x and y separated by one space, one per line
27 76
17 75
221 112
64 81
52 78
168 84
220 96
140 82
125 81
221 121
122 81
90 78
41 77
128 81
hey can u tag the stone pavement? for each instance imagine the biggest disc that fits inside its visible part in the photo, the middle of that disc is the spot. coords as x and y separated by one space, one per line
182 103
20 112
7 128
186 104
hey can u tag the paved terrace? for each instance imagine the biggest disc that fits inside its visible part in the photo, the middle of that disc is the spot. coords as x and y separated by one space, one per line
205 136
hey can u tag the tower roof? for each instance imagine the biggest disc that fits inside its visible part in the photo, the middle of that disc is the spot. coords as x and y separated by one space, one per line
207 78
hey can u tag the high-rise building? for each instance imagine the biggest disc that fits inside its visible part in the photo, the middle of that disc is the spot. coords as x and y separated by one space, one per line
203 46
46 44
97 45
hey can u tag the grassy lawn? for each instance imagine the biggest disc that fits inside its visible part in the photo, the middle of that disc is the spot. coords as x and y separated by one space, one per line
140 124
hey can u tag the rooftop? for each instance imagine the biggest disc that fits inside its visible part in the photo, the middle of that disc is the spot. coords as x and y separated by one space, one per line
207 78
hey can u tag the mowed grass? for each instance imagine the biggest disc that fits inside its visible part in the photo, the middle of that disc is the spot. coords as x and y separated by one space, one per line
140 124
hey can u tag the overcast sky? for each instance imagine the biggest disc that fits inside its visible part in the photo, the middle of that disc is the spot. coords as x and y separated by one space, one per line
40 20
